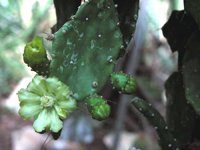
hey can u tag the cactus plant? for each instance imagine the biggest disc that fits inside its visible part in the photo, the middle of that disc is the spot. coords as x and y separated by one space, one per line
84 46
85 51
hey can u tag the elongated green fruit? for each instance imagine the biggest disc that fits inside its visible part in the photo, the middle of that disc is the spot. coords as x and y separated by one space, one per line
35 56
123 82
167 140
48 101
98 107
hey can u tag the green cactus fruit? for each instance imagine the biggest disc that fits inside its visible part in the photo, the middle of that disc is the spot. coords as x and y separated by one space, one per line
35 56
166 140
86 48
123 82
48 101
98 108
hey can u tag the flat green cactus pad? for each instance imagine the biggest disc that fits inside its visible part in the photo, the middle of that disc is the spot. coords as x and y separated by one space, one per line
86 48
128 15
180 115
192 8
191 71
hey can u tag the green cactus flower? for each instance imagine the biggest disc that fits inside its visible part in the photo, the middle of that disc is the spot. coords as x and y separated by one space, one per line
48 101
34 52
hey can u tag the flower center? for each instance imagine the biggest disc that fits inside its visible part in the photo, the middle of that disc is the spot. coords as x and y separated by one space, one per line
48 101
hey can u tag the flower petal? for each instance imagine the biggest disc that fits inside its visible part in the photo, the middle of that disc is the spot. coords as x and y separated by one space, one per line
37 86
68 105
61 112
28 97
42 121
62 93
29 111
52 85
56 124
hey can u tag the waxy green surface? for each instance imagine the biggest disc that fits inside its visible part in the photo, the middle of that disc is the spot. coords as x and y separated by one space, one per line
86 48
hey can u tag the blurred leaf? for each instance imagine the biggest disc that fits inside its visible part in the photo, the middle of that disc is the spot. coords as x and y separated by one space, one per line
192 8
191 71
180 116
178 29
